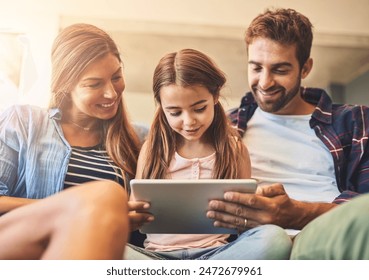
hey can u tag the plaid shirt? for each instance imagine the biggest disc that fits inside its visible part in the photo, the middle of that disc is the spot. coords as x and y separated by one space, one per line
344 129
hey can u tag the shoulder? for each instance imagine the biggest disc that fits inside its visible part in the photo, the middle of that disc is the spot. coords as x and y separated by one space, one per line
349 113
351 121
143 151
141 160
23 112
21 121
238 144
243 158
144 146
240 116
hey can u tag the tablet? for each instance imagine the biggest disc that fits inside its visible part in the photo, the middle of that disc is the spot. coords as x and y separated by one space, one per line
180 206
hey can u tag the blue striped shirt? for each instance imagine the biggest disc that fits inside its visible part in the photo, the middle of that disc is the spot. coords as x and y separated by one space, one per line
343 128
34 152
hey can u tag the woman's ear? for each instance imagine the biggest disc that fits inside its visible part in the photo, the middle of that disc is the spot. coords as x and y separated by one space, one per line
306 68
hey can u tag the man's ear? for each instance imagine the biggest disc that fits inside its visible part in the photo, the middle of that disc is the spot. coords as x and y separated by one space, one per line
306 68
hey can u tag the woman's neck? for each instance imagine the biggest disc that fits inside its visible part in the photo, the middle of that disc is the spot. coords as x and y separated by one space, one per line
77 136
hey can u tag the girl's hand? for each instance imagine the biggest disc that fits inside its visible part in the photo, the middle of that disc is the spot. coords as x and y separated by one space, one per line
138 214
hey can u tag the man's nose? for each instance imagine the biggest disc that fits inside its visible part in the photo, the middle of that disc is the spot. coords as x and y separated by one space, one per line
266 80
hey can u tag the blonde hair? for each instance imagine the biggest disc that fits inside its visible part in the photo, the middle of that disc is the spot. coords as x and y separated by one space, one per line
187 68
74 49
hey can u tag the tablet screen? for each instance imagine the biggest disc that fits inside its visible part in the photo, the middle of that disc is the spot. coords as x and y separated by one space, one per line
180 206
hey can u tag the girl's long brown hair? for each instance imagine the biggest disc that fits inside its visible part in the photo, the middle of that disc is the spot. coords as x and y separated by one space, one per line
188 68
74 49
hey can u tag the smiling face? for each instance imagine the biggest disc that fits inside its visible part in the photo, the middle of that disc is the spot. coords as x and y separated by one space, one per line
275 76
189 110
98 92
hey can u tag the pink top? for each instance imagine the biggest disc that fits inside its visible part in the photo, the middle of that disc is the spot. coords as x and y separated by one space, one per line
182 168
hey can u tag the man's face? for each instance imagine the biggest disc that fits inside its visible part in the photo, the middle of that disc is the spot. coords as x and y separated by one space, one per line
274 76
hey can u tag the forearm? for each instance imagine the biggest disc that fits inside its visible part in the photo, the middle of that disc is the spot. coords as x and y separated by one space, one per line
8 203
305 212
270 205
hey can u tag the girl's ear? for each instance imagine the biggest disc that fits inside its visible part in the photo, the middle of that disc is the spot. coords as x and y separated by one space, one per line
216 99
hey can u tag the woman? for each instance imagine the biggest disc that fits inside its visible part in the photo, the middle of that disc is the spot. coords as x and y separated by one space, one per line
85 134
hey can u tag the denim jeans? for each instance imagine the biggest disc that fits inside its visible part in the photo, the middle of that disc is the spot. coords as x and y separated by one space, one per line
265 242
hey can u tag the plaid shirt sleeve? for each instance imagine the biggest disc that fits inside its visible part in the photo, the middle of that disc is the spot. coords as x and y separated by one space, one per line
355 175
345 196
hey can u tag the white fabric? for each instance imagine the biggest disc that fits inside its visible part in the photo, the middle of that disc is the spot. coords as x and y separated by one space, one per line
284 149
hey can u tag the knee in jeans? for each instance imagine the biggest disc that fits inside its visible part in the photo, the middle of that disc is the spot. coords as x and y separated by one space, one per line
277 241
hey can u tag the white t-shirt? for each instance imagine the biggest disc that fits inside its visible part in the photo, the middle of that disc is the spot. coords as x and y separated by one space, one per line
284 149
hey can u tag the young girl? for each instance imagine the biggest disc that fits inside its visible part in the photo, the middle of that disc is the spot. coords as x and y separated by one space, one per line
191 138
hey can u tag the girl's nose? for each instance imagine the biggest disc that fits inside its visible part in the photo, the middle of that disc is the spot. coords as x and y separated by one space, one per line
189 120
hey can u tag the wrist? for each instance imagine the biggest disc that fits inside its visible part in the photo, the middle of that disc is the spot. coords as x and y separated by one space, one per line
308 211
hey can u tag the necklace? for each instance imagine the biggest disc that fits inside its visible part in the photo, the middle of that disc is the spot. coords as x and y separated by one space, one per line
82 127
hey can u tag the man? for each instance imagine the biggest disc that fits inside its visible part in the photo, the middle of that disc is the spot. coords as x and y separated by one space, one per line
308 154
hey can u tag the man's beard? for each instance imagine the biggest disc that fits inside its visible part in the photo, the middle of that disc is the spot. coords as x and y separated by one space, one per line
281 102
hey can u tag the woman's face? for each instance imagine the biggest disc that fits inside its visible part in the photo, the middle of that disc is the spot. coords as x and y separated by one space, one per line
99 90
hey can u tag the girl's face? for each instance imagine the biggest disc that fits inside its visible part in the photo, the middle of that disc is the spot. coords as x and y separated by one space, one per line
99 90
189 110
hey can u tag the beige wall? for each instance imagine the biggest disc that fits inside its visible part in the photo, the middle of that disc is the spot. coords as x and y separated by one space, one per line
141 106
147 29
